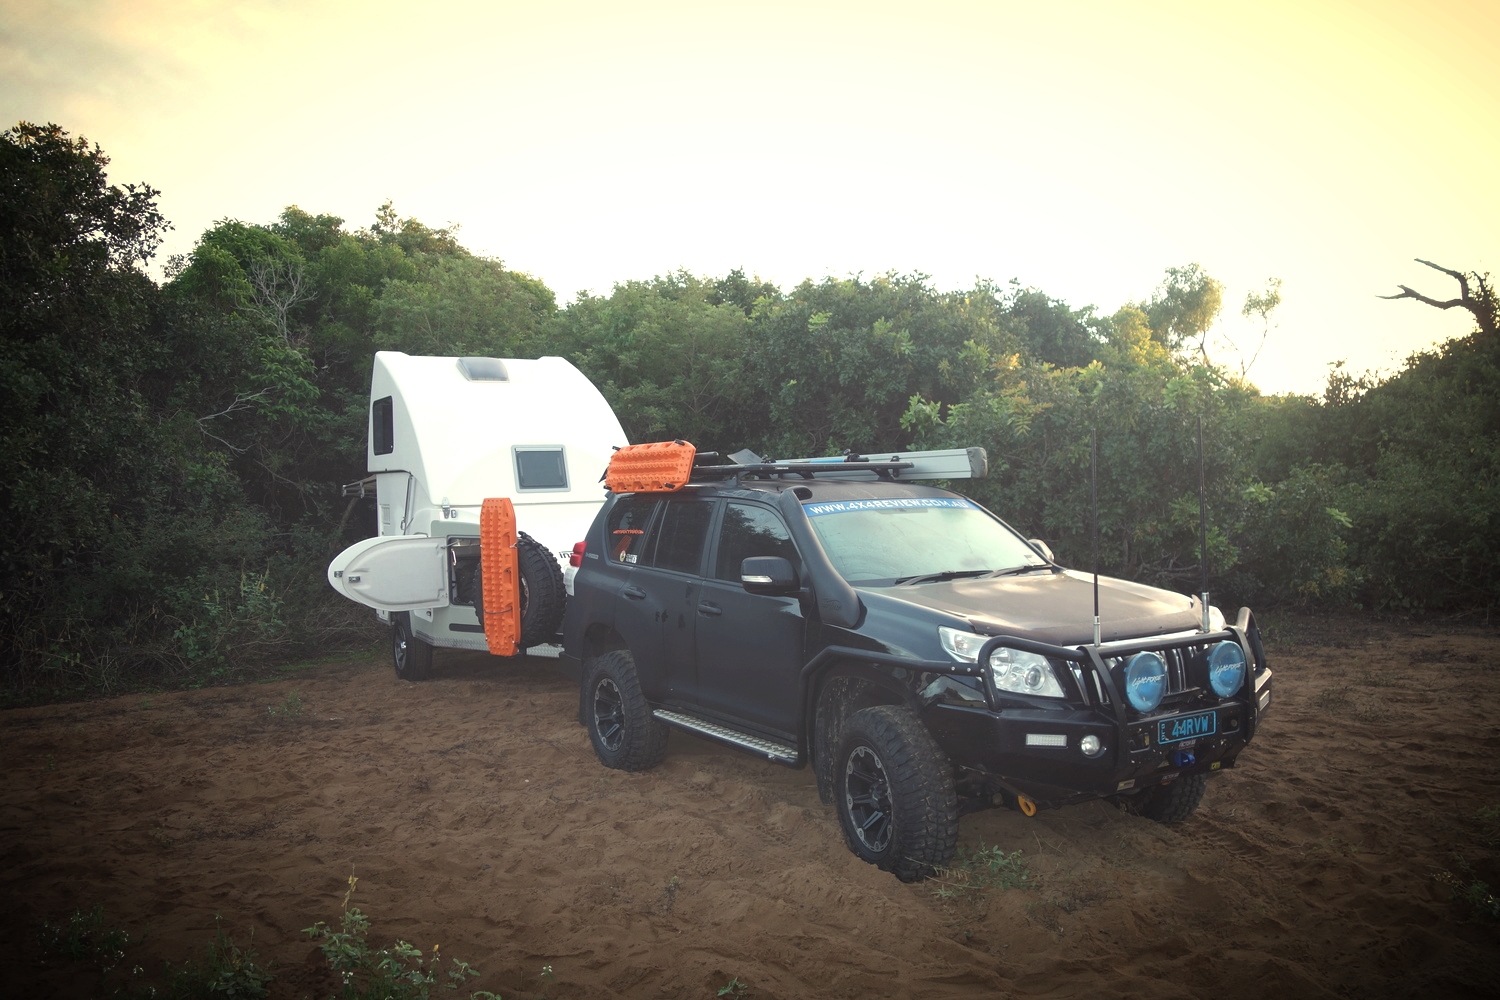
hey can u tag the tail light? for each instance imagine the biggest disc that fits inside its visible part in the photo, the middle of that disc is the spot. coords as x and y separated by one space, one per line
576 559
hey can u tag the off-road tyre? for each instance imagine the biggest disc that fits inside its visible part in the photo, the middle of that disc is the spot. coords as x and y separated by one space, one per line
543 594
1171 803
893 789
411 656
625 735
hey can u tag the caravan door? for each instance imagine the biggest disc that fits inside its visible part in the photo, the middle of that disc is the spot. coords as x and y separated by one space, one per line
404 573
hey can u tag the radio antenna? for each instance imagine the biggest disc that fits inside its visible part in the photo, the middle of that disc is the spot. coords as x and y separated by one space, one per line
1202 529
1094 504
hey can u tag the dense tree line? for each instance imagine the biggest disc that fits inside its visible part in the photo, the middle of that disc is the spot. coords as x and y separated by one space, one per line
179 445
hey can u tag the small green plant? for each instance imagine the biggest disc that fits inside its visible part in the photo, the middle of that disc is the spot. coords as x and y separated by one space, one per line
84 938
669 895
982 868
1469 891
1489 825
290 707
397 972
226 971
734 988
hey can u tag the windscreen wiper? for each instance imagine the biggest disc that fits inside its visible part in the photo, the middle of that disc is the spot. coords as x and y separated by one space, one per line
947 574
1018 570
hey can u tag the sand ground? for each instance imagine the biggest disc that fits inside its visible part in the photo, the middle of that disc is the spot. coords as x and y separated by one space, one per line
474 814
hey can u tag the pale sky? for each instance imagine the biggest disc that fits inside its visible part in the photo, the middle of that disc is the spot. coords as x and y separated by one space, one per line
1082 147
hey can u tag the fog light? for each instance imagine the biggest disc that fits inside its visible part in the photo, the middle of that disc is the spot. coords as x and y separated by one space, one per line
1091 746
1145 681
1226 668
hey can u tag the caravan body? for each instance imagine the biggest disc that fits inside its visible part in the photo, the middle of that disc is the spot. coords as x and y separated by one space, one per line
444 435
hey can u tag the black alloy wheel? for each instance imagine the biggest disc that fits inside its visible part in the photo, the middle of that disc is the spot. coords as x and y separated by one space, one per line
867 796
609 714
625 735
894 792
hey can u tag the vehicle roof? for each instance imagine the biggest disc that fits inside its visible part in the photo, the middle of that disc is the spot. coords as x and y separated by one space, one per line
816 489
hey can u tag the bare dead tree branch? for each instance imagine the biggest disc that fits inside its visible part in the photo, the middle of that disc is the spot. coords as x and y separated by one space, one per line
242 401
276 287
214 437
1482 305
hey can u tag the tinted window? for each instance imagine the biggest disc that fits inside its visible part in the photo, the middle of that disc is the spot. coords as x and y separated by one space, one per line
684 529
750 531
626 528
541 469
383 426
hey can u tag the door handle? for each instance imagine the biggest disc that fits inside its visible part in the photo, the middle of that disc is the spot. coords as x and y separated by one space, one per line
709 610
634 593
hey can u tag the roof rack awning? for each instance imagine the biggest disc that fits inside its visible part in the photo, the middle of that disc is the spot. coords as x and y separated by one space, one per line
667 466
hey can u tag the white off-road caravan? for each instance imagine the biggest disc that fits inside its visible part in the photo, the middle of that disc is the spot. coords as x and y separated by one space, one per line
445 434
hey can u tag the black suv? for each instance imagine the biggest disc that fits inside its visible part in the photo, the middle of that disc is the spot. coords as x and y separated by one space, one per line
923 656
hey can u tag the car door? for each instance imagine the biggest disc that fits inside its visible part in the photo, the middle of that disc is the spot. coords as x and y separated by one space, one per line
664 588
750 647
615 599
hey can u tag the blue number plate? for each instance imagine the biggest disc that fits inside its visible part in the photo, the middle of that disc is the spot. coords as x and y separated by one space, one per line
1186 727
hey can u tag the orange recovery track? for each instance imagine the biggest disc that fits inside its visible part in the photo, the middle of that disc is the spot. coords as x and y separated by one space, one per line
658 467
500 570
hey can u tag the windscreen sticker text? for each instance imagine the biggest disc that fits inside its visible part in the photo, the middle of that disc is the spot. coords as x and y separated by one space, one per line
850 506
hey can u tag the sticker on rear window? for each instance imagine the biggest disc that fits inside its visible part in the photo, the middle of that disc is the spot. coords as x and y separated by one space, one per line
849 506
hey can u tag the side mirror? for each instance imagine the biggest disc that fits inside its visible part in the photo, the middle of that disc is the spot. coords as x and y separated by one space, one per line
1041 547
771 575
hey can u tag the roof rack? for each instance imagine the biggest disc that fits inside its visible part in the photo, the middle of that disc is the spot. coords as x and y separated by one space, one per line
667 466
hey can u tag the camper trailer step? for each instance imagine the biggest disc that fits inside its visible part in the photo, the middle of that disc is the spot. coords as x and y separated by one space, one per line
781 753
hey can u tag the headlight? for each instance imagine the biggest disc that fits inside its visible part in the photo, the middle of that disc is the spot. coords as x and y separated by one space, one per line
1226 668
1215 619
1024 673
962 646
1145 681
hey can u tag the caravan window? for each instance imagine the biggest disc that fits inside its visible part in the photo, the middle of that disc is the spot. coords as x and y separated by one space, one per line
541 467
383 426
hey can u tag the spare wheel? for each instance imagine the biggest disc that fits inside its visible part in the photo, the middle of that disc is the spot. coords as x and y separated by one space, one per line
543 595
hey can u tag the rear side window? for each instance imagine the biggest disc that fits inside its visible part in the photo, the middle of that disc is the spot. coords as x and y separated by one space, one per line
383 426
748 531
626 529
681 537
541 467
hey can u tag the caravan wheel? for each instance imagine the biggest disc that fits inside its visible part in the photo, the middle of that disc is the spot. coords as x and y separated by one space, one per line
543 595
412 656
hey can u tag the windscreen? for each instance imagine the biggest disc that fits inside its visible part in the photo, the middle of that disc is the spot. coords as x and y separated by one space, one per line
905 538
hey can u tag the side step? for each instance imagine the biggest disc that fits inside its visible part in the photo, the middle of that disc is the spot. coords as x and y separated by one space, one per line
780 753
